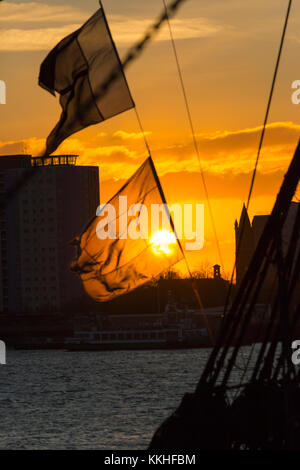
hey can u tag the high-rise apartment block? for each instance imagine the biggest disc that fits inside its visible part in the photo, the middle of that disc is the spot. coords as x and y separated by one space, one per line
45 204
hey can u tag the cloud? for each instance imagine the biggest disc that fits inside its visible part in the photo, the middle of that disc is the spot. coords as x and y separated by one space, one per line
17 36
234 151
33 39
128 30
224 154
32 146
115 161
34 12
131 135
223 186
277 132
186 187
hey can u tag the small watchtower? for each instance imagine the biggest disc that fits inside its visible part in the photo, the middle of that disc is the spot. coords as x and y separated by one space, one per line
217 271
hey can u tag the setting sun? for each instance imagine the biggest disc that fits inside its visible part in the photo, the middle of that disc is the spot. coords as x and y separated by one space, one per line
161 242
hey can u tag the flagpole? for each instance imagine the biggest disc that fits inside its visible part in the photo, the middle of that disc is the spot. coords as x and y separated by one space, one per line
162 195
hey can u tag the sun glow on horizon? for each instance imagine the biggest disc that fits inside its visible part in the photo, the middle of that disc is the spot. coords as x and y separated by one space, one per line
161 242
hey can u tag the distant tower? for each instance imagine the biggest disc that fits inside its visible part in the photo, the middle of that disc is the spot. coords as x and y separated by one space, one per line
244 244
217 271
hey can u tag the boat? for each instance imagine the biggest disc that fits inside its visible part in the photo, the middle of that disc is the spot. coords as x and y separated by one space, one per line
116 340
170 330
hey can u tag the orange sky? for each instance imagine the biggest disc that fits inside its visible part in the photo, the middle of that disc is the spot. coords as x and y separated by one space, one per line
227 51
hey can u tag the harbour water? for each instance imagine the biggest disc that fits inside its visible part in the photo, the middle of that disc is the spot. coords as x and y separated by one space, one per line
92 400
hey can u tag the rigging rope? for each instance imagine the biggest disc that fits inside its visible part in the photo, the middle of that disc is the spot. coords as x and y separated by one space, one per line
260 145
142 131
269 101
194 287
193 133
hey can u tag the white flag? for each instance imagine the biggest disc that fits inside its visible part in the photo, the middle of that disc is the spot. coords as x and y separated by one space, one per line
121 248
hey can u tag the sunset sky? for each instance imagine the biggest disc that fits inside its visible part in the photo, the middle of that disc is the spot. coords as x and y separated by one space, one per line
227 50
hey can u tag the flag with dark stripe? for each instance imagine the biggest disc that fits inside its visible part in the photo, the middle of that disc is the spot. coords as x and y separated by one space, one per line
86 71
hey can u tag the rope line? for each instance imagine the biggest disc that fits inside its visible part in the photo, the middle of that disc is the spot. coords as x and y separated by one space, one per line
269 101
193 133
260 146
142 131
